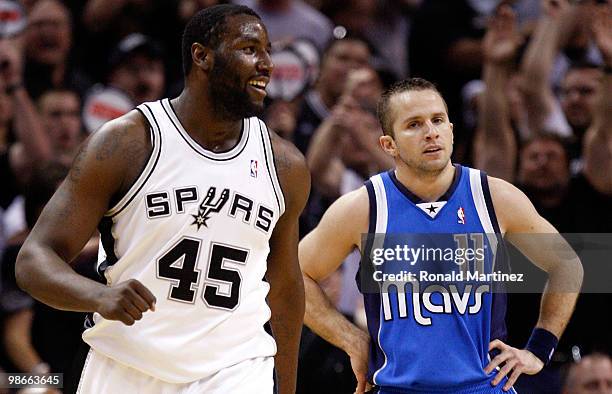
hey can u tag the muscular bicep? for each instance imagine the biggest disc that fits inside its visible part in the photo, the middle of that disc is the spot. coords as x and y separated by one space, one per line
338 233
98 173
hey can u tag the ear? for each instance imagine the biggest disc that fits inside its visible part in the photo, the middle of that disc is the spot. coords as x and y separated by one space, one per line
202 56
387 143
452 133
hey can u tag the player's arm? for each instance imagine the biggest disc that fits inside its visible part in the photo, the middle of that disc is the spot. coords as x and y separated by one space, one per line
321 253
598 138
540 242
286 297
104 168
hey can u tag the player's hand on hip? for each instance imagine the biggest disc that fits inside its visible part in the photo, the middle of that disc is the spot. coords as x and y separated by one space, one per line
126 302
359 361
515 360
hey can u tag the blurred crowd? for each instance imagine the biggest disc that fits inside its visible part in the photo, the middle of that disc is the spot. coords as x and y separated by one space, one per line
527 82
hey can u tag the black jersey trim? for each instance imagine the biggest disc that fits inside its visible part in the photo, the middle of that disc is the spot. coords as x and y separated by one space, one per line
231 153
108 244
156 148
368 239
416 199
486 192
372 201
267 145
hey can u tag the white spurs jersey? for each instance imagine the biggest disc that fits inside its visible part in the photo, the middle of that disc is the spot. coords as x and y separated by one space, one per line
194 229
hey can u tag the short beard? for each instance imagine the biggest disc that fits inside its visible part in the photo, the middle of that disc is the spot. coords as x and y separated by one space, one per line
422 169
229 100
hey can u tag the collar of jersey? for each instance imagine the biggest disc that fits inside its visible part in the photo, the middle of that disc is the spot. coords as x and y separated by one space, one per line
217 156
416 199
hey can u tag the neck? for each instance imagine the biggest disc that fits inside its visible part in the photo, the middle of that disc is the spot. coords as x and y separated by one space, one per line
427 185
194 110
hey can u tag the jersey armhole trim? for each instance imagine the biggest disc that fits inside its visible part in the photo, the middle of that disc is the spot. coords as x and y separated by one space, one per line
271 166
156 142
486 192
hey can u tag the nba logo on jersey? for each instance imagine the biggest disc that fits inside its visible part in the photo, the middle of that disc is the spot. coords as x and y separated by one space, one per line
460 215
254 168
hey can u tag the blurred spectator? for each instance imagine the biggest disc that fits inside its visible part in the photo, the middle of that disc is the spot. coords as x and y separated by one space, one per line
137 68
445 46
48 41
106 23
341 57
188 8
22 121
591 375
385 24
60 111
338 60
541 169
563 26
41 339
343 153
136 75
287 20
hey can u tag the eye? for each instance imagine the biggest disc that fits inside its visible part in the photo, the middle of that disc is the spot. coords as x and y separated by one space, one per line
413 125
438 120
249 50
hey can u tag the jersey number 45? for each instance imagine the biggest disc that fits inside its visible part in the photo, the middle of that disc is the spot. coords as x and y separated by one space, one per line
222 283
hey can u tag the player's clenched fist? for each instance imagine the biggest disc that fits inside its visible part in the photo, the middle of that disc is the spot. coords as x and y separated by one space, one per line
126 301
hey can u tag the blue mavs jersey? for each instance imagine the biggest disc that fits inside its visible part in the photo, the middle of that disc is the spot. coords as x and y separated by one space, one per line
433 338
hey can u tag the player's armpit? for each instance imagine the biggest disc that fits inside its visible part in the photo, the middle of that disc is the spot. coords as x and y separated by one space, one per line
338 233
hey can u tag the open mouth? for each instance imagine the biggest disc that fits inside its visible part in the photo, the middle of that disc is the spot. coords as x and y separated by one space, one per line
258 85
432 150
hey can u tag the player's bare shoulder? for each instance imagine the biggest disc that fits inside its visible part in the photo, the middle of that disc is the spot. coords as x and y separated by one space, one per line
292 171
114 154
510 203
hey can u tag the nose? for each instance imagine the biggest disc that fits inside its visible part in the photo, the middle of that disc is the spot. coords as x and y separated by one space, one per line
265 63
431 131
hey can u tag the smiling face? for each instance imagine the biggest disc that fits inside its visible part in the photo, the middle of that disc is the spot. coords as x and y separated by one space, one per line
422 134
241 69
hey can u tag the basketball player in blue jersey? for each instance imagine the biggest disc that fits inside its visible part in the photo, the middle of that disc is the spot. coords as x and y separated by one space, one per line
436 341
197 205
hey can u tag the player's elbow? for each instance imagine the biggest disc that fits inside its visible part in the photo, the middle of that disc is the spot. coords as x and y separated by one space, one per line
23 269
567 276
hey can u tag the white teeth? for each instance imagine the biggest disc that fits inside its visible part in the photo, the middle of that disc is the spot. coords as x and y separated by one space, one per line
258 84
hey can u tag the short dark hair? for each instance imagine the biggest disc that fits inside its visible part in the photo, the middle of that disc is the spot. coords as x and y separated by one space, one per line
406 85
207 27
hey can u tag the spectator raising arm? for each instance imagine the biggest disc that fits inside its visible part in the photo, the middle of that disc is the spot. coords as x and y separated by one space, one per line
35 146
495 144
598 139
551 32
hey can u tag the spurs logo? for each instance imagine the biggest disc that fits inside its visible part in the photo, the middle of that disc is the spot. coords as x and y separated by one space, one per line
208 206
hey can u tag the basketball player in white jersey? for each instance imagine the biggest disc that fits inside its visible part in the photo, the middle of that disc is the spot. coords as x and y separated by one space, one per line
197 204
